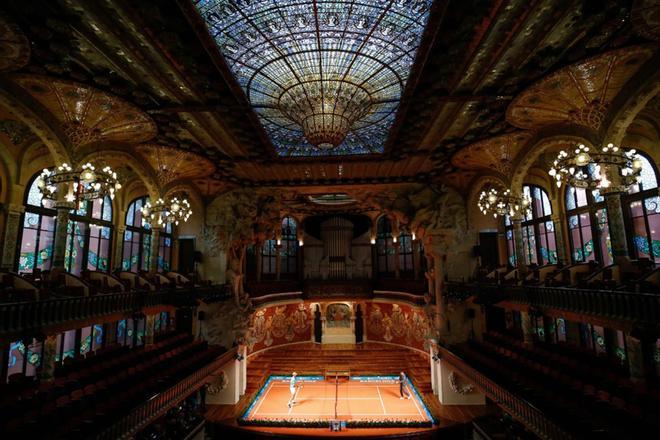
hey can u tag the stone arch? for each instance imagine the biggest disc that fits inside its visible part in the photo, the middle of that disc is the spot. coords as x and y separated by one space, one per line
528 157
632 99
50 136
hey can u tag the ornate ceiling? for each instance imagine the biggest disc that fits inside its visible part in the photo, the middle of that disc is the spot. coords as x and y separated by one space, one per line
325 78
579 94
141 71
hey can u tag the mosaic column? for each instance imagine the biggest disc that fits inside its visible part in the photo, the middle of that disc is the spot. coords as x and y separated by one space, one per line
616 225
59 241
518 239
153 249
119 244
150 321
10 244
559 239
47 372
527 329
635 355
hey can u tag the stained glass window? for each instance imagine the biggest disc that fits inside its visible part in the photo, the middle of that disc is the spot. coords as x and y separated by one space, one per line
37 233
305 64
538 231
165 249
644 212
89 234
136 250
589 233
269 257
289 247
385 250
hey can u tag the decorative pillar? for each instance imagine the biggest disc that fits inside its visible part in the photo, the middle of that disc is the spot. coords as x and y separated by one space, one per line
572 333
119 242
150 321
10 243
527 328
635 355
153 249
559 239
438 250
397 269
278 246
518 239
47 371
59 242
616 226
415 255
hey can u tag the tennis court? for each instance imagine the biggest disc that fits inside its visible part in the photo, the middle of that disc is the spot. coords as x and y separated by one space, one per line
355 398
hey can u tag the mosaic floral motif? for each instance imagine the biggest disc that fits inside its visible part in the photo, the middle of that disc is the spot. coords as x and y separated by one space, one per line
279 324
403 324
86 114
497 153
295 51
580 93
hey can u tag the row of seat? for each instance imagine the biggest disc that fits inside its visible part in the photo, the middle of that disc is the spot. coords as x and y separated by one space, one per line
101 399
583 408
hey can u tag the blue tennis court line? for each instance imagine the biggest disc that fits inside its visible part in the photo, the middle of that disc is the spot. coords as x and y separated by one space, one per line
356 378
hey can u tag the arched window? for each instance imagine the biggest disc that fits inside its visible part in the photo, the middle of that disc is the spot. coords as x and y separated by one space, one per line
538 230
644 214
268 257
289 248
588 226
38 231
136 251
165 249
89 237
385 252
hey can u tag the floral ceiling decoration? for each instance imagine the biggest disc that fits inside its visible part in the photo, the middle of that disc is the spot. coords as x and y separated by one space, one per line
324 78
86 114
497 153
580 93
172 164
14 46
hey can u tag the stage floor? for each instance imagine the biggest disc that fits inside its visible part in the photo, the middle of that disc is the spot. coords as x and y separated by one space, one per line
358 399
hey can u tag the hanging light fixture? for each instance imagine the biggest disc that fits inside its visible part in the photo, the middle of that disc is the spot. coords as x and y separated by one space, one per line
612 169
82 184
500 202
166 211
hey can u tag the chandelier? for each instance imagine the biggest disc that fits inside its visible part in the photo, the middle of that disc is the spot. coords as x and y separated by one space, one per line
611 169
326 110
82 184
501 203
163 212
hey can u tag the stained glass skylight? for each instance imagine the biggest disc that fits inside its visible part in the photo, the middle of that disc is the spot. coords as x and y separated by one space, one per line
324 77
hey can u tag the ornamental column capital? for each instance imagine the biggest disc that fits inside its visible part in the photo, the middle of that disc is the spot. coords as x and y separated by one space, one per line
12 208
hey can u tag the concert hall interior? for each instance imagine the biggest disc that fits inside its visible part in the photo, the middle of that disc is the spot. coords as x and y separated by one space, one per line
442 215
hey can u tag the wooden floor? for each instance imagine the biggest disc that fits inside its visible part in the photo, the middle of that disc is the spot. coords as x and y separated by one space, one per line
364 359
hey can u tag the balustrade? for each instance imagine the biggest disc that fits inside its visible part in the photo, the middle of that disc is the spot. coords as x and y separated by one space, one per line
142 415
522 410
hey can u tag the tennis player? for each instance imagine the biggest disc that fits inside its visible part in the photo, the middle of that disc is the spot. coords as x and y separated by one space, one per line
293 388
403 389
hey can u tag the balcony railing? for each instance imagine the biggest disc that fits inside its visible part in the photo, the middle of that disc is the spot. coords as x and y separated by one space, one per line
643 308
34 316
142 415
522 410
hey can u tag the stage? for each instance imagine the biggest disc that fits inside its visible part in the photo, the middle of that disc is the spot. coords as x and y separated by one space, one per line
358 401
